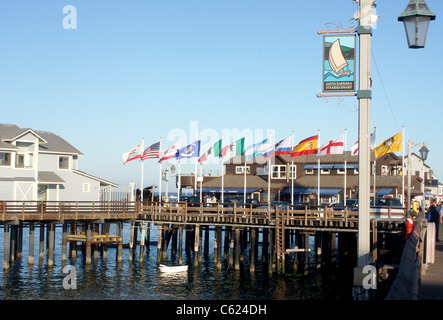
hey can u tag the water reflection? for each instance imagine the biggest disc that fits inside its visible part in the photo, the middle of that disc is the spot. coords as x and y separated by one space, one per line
107 279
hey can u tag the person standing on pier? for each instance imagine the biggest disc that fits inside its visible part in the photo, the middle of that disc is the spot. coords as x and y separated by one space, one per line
435 217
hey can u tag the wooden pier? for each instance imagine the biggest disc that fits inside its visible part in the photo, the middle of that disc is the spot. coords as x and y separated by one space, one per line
185 228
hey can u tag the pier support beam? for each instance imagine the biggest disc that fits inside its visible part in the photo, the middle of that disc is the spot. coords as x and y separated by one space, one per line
252 249
88 244
31 243
64 241
180 244
119 256
6 248
196 245
41 253
51 243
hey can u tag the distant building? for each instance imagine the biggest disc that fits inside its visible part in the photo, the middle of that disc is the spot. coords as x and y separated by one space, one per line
304 171
41 166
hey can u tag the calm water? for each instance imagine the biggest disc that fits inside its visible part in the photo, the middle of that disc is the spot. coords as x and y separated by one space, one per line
106 279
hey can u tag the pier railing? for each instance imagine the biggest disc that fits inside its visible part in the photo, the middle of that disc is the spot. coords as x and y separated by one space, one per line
182 212
67 210
249 214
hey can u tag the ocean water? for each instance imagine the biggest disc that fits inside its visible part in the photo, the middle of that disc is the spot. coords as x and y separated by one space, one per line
105 279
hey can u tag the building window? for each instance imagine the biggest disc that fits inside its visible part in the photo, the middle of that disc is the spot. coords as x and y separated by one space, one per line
309 171
5 158
241 169
325 171
63 162
293 173
20 161
278 172
86 187
341 171
384 170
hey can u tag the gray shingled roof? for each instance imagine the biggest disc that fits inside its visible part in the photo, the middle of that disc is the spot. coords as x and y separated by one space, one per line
50 142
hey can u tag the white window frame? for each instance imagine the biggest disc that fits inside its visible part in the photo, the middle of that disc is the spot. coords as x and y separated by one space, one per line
69 162
241 169
341 171
309 171
86 187
280 174
325 171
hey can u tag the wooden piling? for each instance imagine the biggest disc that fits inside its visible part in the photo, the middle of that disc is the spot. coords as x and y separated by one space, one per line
237 250
142 242
88 244
6 247
131 242
196 244
306 254
159 244
41 254
119 255
13 244
180 244
64 241
31 243
252 249
20 240
51 243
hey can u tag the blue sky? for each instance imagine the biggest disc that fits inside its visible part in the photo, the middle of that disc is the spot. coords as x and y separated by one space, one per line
168 68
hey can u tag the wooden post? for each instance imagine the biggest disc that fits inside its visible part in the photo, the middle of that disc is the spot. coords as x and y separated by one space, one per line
306 255
226 243
73 244
180 244
31 243
318 248
13 244
237 249
20 240
232 246
159 244
51 242
64 241
333 248
41 254
252 249
134 251
88 244
119 255
142 242
206 241
105 231
296 245
131 242
196 244
265 245
6 248
271 260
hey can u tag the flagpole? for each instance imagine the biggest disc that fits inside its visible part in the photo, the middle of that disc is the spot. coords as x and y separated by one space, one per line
318 170
344 151
179 180
292 168
195 170
244 178
222 177
375 166
403 166
269 172
160 174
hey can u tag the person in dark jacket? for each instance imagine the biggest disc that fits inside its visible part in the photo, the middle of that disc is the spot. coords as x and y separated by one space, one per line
434 217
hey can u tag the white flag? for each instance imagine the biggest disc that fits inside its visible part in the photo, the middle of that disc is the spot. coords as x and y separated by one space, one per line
332 147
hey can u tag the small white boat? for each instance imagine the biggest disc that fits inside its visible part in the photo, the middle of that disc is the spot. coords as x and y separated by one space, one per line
164 268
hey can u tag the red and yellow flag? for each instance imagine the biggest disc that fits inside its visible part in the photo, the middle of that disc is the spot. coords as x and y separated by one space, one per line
307 146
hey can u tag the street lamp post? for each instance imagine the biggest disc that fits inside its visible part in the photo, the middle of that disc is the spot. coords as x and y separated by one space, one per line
424 155
364 94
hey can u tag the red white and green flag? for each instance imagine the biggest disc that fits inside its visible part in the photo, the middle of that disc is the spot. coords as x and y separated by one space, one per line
236 148
213 152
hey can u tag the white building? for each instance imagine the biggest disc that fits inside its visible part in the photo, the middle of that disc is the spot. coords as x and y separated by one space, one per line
41 166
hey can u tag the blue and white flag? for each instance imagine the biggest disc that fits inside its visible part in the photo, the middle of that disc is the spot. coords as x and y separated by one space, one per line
190 151
256 150
281 147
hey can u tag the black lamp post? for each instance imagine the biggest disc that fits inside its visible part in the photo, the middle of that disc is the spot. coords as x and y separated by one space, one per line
416 18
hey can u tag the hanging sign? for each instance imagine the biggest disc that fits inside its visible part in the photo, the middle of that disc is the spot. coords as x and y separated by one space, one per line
339 63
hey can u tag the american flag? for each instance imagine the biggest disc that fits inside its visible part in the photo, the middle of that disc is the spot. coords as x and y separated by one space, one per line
151 152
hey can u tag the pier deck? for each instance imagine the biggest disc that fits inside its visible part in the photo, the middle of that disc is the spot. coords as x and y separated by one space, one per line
432 282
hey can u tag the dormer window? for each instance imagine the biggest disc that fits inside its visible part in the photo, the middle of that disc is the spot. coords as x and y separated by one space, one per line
63 162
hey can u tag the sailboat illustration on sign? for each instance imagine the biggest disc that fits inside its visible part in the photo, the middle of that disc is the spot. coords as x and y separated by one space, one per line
337 61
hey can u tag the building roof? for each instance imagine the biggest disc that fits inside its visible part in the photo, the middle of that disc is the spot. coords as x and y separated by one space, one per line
49 177
49 142
237 181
